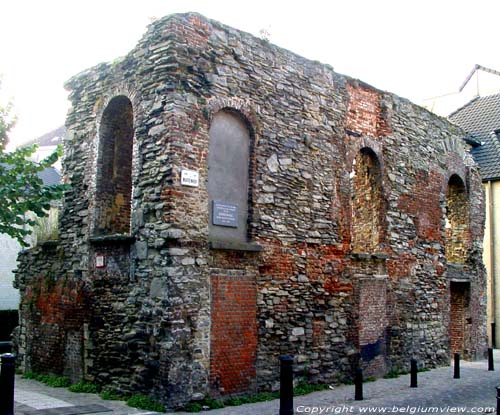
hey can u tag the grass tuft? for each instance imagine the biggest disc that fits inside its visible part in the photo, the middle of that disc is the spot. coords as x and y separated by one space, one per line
49 380
84 387
110 395
193 407
300 389
146 403
306 388
393 374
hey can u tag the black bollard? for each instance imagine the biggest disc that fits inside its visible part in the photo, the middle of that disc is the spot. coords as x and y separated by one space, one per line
413 373
5 347
456 372
358 385
286 385
491 365
7 376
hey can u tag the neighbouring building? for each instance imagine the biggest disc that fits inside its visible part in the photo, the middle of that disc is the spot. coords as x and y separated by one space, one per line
47 144
10 247
232 202
480 118
9 296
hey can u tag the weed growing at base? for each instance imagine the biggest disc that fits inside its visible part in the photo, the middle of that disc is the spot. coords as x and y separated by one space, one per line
49 380
84 387
300 389
146 403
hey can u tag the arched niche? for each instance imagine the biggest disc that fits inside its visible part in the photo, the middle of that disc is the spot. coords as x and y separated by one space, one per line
228 177
457 220
114 168
367 202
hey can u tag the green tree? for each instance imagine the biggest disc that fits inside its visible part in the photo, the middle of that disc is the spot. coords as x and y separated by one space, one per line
21 190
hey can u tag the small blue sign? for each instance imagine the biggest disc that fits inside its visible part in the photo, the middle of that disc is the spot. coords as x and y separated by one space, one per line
224 214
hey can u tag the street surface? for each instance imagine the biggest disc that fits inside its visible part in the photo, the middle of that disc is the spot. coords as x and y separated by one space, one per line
437 392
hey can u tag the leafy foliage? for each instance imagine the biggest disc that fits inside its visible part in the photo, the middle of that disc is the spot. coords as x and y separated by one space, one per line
208 403
21 190
306 388
7 121
110 395
260 397
146 403
193 407
394 373
84 387
50 380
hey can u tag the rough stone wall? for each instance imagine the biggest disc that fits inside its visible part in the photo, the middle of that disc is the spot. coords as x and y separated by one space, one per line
157 298
53 310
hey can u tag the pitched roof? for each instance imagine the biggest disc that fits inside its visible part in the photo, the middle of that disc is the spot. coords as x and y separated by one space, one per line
480 118
50 176
52 138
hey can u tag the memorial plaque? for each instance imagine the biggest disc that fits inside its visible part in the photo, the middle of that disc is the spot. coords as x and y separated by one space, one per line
224 214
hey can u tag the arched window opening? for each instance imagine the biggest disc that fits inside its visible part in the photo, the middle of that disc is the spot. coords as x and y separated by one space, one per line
114 168
457 218
367 204
228 176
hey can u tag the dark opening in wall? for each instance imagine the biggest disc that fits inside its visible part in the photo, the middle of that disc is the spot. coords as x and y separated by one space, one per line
457 220
8 321
114 168
367 204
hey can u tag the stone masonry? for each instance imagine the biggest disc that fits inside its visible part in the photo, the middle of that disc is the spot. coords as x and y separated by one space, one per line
232 202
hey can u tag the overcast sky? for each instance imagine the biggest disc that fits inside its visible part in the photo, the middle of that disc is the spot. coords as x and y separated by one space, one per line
416 49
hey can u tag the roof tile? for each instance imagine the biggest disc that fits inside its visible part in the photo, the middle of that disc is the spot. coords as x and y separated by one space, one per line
481 118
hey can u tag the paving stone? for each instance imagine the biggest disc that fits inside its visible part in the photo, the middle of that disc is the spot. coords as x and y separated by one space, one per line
70 410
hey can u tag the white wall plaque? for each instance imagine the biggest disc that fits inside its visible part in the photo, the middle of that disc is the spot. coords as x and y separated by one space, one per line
100 261
189 178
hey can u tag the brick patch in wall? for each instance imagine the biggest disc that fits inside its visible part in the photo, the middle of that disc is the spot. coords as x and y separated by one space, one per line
372 323
459 304
233 337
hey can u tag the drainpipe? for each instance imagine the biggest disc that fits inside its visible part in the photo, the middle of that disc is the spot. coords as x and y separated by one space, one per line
493 290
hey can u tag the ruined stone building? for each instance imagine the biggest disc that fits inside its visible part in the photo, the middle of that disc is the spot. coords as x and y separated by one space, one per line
480 118
232 202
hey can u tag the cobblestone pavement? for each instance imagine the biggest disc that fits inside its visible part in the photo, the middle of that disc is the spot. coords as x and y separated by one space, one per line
34 398
437 393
